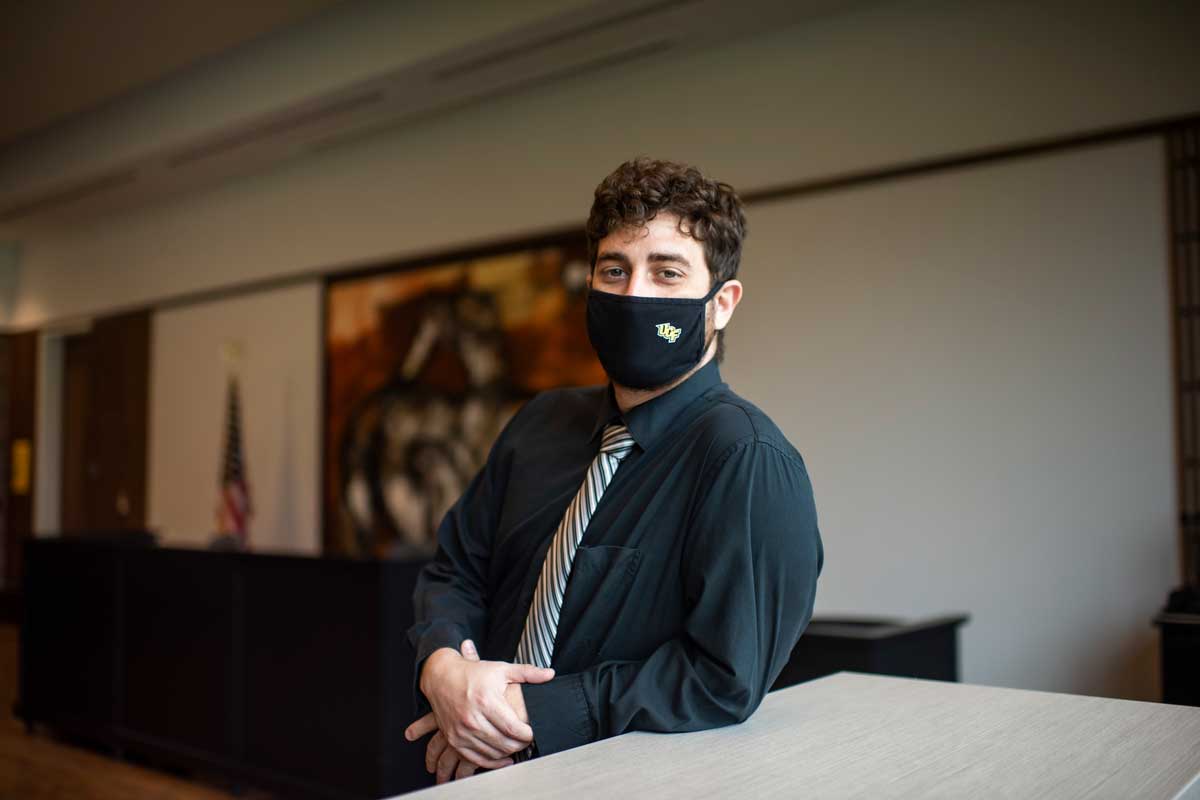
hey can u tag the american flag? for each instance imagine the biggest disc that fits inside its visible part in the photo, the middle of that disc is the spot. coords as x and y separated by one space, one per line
233 507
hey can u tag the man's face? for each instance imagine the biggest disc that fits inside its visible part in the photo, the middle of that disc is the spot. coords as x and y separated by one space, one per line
660 261
655 261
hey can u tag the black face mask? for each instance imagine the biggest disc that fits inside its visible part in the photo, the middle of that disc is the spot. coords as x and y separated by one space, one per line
647 342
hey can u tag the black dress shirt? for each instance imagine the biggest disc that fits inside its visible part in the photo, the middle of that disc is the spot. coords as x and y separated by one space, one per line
694 579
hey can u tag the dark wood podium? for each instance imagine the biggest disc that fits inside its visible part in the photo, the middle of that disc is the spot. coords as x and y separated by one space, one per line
288 672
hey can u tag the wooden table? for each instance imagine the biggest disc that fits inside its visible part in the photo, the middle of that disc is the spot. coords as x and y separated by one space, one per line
871 736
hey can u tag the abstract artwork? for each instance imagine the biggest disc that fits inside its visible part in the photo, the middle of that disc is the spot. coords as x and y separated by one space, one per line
424 366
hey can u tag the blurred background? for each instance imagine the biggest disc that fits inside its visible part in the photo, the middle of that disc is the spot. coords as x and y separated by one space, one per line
272 275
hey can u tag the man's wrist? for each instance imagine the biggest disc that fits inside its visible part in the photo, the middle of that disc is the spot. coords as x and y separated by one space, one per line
433 664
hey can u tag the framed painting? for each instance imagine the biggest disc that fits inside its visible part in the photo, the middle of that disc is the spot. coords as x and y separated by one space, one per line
424 365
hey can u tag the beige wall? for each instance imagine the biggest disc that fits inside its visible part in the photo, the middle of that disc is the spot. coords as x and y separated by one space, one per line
280 392
974 364
976 369
9 270
893 82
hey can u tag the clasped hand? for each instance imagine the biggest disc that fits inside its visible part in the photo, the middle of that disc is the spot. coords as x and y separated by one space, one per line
478 716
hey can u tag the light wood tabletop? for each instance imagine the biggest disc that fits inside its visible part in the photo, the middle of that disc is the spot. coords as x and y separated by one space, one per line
858 735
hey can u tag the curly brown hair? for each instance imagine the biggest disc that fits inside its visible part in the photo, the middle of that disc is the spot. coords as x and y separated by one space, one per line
709 211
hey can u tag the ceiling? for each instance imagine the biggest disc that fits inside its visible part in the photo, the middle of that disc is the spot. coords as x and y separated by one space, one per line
134 110
59 58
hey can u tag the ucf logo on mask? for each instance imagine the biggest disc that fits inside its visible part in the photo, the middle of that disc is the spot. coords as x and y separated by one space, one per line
668 331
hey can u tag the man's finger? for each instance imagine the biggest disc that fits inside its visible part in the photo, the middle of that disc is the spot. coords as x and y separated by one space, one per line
470 744
433 751
509 725
478 759
468 650
482 741
446 764
490 733
465 770
528 673
421 727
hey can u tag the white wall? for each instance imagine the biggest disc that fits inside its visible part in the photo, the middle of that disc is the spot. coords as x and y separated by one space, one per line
974 364
890 83
47 484
976 368
9 269
280 388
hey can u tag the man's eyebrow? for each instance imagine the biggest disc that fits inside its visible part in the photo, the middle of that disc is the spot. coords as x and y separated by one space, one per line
621 258
674 258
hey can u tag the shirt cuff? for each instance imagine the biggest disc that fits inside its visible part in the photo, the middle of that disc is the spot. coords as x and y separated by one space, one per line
558 713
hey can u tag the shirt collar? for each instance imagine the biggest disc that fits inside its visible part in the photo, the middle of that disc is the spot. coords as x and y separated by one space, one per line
647 421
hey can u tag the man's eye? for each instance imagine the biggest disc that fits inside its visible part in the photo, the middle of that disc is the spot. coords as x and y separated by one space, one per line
670 274
613 272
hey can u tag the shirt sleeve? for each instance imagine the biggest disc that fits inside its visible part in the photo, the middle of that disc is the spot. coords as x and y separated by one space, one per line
450 601
750 570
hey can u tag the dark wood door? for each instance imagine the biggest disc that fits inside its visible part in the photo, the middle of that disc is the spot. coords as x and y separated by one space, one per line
77 376
105 407
119 400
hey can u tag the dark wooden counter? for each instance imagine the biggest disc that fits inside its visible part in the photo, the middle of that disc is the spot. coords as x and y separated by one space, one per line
287 672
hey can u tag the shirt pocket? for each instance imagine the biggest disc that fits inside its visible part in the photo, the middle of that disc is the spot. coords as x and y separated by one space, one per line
596 594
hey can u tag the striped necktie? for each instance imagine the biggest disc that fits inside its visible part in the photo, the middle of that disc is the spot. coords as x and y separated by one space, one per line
541 626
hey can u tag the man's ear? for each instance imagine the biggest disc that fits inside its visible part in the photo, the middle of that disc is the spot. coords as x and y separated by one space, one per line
725 302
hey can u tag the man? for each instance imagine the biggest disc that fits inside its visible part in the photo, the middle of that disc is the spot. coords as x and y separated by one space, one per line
638 556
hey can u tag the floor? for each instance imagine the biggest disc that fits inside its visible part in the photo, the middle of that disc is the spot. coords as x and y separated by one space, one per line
41 767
